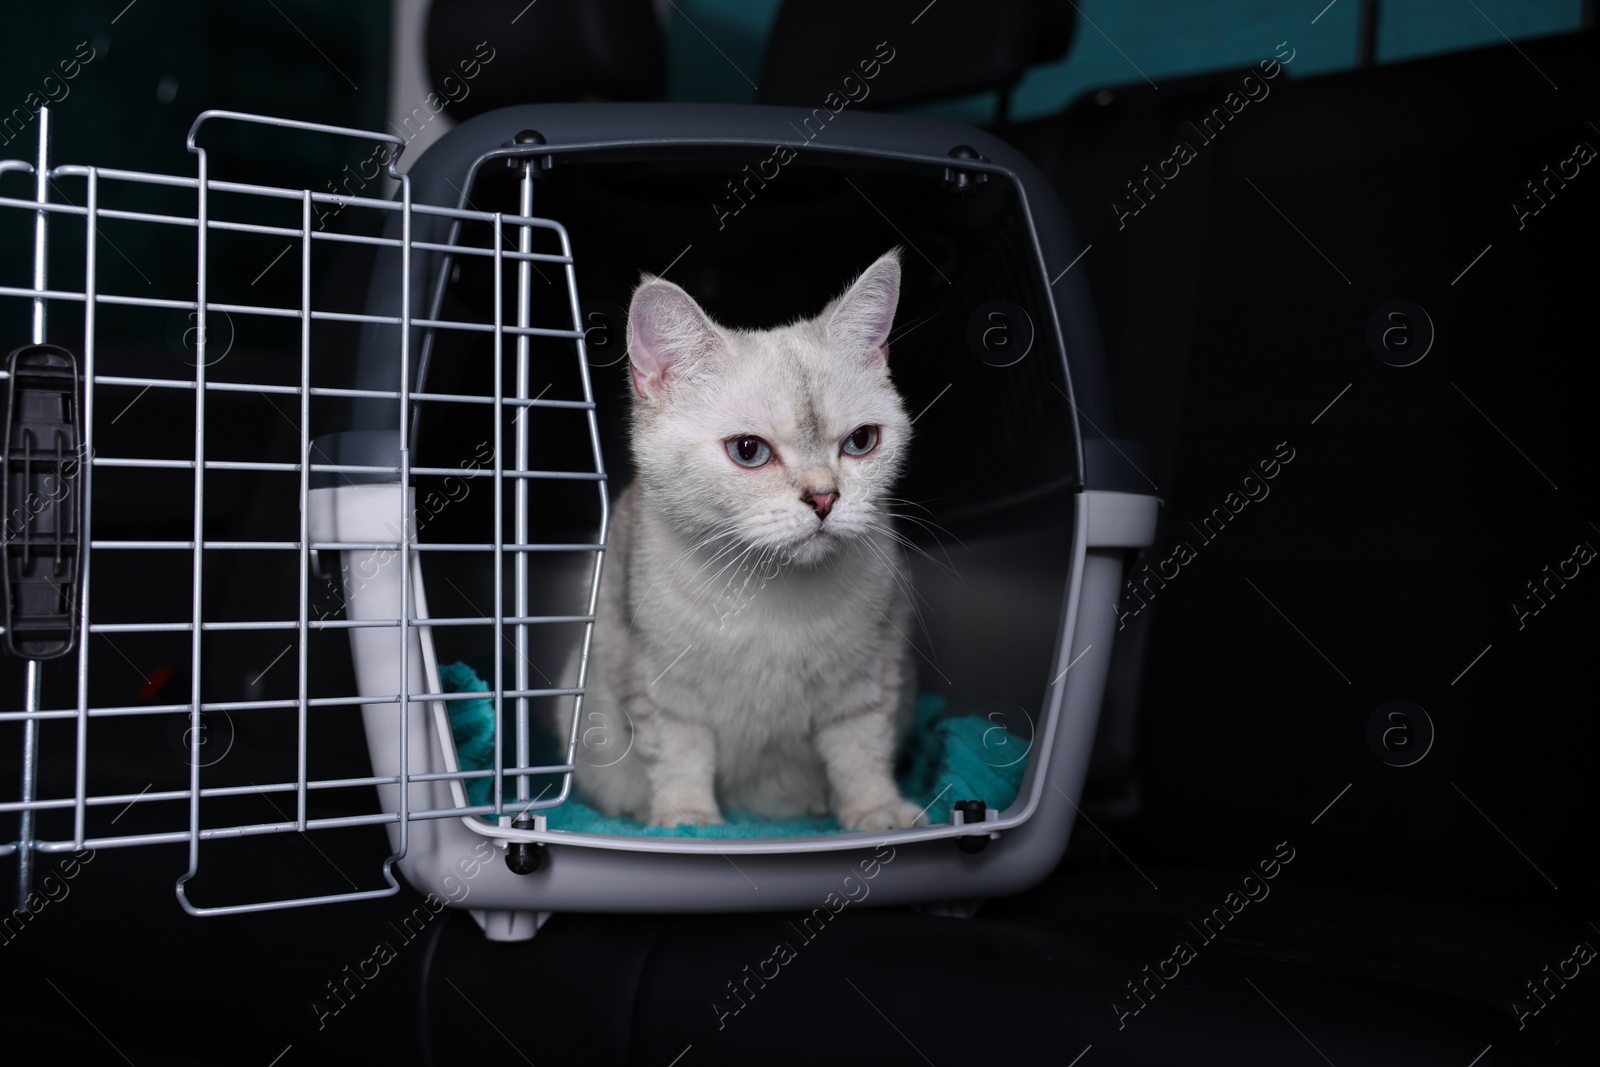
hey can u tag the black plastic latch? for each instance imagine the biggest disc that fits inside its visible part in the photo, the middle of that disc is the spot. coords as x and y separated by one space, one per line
41 457
537 165
970 812
524 857
963 182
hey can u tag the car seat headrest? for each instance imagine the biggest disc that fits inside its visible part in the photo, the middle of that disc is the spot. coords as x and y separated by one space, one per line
940 51
551 51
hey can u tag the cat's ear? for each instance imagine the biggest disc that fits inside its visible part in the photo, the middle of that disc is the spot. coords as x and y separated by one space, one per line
859 321
666 331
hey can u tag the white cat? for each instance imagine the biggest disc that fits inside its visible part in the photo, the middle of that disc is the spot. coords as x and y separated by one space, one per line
754 603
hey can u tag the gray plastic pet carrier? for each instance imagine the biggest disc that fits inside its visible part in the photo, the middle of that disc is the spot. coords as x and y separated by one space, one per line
432 518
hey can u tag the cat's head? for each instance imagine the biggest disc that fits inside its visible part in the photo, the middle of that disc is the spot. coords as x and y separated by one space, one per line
787 439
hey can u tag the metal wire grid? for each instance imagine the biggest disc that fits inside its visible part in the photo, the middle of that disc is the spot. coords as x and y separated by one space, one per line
41 295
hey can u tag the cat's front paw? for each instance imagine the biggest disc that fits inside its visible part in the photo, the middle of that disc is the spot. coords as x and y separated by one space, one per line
670 816
896 815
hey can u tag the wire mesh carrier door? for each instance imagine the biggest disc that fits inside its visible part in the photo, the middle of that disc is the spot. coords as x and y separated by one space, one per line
188 565
339 519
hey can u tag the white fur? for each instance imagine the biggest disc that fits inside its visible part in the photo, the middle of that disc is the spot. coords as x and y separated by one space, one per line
757 651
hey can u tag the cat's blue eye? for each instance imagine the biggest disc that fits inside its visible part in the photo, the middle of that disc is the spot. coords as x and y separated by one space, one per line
749 451
862 441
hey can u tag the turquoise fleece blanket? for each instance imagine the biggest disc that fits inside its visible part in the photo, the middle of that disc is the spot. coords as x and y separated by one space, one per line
946 758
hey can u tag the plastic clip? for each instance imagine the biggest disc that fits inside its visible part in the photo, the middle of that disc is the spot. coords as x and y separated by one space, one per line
41 457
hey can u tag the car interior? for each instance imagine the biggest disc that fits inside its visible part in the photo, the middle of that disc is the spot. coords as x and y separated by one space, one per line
1340 802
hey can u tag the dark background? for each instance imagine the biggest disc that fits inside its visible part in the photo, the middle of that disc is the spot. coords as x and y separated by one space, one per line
1235 311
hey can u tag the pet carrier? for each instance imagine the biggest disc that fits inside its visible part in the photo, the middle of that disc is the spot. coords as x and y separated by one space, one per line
451 468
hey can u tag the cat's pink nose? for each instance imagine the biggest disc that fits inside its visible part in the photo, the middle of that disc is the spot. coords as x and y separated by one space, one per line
821 502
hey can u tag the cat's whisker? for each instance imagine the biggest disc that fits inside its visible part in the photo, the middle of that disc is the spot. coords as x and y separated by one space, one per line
768 552
716 556
755 570
911 503
947 566
903 584
737 564
735 527
734 562
888 531
908 589
744 569
927 524
884 616
715 535
684 558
